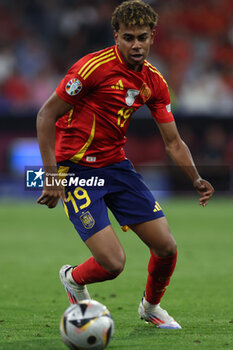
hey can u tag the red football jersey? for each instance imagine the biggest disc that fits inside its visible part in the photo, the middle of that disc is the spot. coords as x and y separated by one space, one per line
104 93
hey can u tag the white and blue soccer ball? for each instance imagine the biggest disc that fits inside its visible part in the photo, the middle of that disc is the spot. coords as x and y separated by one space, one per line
87 325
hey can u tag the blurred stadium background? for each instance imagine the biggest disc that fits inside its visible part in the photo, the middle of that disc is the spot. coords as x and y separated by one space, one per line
40 40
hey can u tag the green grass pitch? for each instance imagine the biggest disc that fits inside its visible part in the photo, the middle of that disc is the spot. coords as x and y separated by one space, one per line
36 241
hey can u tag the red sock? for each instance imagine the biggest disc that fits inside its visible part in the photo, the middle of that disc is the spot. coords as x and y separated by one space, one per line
90 272
160 271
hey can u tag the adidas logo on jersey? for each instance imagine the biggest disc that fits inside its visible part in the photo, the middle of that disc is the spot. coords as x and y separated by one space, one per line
118 86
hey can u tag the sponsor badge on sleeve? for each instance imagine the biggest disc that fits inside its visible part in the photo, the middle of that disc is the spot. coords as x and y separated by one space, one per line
73 87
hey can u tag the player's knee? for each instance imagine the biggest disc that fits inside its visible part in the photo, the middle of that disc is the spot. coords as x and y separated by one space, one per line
116 270
114 264
117 266
171 249
168 249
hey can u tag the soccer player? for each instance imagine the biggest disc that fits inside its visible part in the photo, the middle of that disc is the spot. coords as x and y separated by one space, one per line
81 131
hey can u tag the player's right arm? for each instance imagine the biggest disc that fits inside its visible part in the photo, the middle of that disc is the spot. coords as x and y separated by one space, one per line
70 91
50 112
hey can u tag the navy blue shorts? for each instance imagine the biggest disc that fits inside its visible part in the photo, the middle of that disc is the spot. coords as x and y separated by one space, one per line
90 191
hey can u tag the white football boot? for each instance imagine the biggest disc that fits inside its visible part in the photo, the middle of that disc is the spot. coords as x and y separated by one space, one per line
75 291
156 315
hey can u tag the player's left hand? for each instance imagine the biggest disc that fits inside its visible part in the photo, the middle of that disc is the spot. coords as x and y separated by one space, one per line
205 189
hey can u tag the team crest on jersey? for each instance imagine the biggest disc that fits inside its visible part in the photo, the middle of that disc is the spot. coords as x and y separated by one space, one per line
87 220
145 92
131 96
73 87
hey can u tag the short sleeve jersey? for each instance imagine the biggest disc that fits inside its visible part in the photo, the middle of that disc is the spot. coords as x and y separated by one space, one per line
104 93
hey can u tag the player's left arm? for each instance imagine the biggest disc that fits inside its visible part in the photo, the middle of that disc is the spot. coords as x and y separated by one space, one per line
181 156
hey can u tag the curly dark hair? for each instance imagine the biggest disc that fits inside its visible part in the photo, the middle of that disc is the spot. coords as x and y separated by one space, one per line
134 13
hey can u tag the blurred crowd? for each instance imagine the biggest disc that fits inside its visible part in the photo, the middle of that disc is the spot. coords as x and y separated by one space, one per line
40 40
211 145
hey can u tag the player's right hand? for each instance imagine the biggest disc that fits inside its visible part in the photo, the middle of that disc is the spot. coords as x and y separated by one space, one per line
51 195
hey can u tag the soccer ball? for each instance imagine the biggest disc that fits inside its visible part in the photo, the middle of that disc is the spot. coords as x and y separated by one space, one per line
87 325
